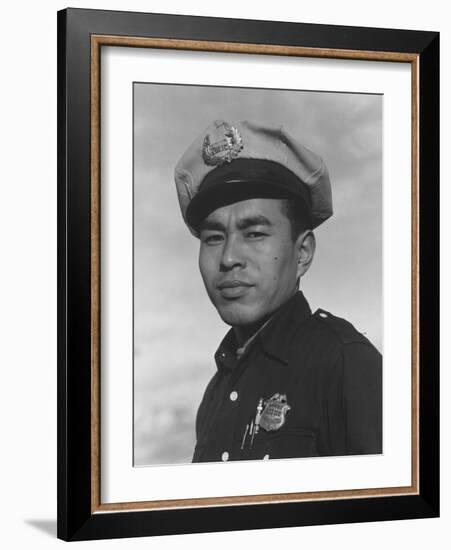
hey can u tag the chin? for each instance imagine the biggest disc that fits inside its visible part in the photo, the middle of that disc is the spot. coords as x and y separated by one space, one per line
238 315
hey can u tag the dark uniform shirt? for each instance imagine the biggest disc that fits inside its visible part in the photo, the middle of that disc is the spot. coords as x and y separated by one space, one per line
330 374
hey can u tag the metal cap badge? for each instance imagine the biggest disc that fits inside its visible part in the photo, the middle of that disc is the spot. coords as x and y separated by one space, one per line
223 145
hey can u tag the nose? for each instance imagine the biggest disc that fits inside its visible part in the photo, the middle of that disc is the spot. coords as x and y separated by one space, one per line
232 254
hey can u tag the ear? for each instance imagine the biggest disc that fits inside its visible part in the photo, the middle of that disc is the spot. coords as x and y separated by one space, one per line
305 247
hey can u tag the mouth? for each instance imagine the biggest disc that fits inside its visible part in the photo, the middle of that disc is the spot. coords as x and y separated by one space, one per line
233 289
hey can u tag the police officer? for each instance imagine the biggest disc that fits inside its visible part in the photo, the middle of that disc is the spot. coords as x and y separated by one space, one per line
289 382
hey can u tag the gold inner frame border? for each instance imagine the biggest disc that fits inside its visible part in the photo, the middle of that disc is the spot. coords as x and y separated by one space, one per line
97 41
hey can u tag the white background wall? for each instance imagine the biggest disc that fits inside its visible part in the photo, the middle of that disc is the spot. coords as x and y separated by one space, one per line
28 272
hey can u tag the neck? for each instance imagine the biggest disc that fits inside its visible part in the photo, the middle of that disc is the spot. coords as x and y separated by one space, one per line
245 332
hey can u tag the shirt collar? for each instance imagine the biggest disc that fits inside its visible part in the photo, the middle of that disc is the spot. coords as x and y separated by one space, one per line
273 338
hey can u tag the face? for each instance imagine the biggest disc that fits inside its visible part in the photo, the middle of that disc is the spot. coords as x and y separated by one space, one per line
248 260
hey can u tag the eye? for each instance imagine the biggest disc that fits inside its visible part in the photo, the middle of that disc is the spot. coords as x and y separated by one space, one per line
214 238
255 235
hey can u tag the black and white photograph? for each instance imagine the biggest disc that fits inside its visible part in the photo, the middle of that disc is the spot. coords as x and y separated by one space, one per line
257 274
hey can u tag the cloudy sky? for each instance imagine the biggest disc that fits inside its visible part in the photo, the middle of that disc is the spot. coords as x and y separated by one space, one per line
176 329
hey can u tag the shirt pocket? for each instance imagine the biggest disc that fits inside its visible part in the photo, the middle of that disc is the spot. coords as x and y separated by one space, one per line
286 443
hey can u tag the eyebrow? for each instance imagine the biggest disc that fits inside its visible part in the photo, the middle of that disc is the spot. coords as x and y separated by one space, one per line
212 226
245 223
242 224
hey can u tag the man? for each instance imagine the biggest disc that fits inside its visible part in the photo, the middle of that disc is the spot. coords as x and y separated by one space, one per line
289 382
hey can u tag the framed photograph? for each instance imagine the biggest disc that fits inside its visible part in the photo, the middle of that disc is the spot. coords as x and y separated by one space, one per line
248 274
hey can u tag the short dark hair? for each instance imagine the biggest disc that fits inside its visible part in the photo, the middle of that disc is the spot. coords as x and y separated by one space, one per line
298 215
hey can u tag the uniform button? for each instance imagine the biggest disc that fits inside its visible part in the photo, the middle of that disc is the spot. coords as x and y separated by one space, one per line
322 314
225 456
223 355
233 396
266 457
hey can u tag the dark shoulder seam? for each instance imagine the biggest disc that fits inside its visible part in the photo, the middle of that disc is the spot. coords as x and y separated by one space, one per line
343 330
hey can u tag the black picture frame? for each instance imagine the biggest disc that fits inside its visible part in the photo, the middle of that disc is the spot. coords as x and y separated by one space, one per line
77 515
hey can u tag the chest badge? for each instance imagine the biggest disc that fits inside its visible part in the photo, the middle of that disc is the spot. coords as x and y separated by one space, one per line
274 412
